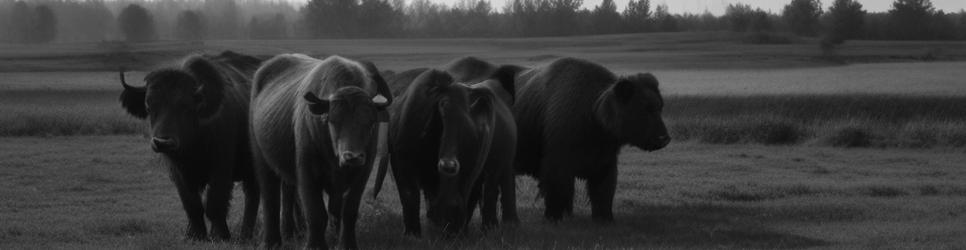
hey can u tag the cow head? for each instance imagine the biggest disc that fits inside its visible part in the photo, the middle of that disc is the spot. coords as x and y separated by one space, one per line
631 111
462 120
352 115
176 102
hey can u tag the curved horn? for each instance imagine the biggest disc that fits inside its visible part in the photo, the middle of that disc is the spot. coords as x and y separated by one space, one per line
124 82
382 151
381 86
132 98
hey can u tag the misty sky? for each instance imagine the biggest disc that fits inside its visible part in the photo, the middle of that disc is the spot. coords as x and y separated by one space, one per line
717 7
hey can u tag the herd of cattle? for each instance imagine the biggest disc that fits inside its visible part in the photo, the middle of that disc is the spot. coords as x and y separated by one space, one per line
294 127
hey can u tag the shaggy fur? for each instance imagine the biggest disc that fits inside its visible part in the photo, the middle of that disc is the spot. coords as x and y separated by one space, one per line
199 114
573 117
314 126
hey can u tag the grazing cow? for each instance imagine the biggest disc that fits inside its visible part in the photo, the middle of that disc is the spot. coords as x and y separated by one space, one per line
454 142
573 117
198 115
314 125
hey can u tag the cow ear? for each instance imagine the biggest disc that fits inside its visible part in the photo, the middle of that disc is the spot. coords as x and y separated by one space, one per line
211 85
608 109
132 99
316 106
381 86
624 89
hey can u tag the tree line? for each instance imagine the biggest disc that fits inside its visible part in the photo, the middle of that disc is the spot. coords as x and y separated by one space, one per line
142 20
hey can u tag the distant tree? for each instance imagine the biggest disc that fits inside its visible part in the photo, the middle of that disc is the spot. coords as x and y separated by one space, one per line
910 19
190 26
224 19
760 22
44 25
845 20
802 16
563 17
606 20
377 18
710 21
665 21
136 24
424 18
86 21
270 27
637 15
962 24
21 22
330 18
942 26
739 16
470 18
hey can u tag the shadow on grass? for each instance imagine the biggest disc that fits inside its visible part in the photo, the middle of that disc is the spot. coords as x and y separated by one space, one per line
687 226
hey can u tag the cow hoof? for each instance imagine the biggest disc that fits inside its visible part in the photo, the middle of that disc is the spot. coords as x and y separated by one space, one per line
246 234
196 235
414 234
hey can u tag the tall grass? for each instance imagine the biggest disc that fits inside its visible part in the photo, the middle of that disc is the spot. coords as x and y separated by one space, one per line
854 120
60 113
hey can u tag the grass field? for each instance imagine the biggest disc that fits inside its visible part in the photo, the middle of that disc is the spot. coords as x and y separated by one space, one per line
105 192
775 146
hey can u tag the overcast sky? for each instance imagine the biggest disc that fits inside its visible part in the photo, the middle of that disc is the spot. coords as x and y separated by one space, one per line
717 7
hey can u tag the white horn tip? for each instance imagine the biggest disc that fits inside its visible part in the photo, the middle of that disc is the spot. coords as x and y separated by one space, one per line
379 99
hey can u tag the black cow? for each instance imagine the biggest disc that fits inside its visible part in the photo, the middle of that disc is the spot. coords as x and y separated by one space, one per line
198 115
455 142
573 117
314 125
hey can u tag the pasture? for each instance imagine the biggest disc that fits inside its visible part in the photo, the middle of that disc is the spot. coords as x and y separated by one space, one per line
106 192
775 146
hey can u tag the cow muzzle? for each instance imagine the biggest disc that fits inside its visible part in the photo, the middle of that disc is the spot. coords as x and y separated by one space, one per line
448 167
352 159
164 144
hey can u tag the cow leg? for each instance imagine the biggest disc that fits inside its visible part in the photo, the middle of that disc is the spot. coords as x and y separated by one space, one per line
252 197
289 212
488 208
557 186
601 191
336 197
216 204
350 208
409 197
269 185
313 206
191 201
508 196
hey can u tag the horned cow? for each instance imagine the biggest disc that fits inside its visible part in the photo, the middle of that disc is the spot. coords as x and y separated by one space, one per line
314 125
198 115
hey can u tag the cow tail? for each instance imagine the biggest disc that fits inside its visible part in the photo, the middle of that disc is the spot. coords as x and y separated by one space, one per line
382 149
